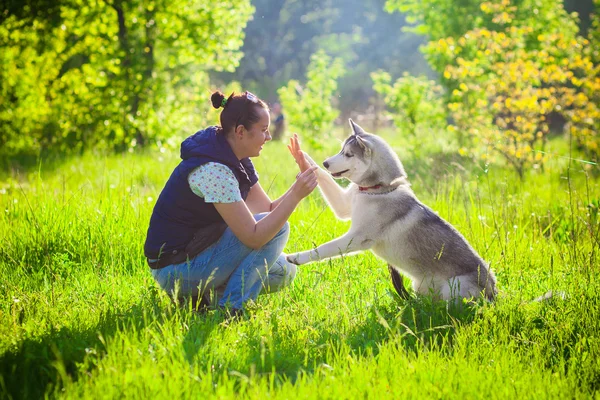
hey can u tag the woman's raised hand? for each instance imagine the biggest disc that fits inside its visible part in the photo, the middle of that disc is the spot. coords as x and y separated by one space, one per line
299 156
306 182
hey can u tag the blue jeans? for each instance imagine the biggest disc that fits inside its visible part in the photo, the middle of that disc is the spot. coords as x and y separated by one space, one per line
228 266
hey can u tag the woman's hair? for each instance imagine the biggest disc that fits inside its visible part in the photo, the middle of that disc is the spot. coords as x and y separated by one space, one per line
241 109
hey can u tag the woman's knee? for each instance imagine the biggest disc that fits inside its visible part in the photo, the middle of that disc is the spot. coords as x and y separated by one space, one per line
290 272
281 274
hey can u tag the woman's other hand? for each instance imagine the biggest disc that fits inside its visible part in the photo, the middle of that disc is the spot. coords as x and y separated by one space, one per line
301 158
305 183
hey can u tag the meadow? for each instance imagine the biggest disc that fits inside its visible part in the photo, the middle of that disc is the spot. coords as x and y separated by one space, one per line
80 315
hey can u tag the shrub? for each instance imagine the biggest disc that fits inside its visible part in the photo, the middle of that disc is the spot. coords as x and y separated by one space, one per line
415 101
309 109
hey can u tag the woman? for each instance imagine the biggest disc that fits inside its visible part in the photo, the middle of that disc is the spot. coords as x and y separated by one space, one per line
213 225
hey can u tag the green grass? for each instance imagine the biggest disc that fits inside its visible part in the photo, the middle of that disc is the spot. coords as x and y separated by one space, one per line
80 315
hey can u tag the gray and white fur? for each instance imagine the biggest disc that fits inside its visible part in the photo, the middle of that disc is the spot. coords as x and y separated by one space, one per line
388 219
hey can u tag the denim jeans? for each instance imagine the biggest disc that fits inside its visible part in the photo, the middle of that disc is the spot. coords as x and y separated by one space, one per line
228 266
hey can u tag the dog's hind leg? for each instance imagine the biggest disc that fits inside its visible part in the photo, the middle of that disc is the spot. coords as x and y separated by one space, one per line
462 286
398 283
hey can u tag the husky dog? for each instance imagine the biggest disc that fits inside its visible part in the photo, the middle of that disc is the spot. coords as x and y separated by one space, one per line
388 218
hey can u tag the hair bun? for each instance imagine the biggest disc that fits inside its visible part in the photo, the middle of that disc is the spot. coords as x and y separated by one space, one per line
217 99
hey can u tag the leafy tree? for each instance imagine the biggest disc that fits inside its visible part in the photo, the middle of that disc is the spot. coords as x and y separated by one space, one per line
515 67
112 73
583 107
441 19
508 92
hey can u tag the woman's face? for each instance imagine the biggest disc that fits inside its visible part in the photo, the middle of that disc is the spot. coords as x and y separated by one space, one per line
258 134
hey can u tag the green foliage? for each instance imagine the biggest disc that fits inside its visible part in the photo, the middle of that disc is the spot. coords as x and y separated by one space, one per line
510 73
416 102
450 18
582 110
112 74
309 109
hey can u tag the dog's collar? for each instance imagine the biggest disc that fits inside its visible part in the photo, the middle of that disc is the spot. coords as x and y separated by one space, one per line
365 188
395 184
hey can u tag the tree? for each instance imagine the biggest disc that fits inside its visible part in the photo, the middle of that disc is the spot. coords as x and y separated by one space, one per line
116 73
512 69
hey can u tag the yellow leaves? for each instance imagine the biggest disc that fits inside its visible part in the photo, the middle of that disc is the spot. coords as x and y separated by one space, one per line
518 153
512 90
502 18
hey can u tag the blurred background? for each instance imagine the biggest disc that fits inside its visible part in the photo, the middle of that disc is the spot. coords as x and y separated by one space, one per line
494 81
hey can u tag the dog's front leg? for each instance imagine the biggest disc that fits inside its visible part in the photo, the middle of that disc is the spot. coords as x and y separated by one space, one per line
346 244
337 197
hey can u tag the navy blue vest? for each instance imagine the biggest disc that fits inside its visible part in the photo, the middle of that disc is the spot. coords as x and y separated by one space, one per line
178 212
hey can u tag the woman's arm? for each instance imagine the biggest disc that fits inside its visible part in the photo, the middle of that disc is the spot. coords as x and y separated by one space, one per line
255 235
258 200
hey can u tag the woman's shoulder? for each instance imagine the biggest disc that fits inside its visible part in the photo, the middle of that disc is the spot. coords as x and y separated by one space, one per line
215 182
213 167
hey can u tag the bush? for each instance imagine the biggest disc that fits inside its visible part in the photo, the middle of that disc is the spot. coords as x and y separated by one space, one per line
309 109
415 101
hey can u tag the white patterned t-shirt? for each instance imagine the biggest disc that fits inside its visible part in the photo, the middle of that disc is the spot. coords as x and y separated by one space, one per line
215 183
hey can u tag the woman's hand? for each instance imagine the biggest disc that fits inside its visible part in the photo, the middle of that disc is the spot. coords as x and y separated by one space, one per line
299 156
305 183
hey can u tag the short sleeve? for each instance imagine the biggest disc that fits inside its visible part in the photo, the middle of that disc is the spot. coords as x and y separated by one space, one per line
215 183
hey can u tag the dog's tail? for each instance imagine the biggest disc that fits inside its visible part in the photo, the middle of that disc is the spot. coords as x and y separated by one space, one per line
398 283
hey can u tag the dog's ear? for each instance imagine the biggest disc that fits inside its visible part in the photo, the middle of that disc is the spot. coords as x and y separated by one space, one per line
356 128
362 143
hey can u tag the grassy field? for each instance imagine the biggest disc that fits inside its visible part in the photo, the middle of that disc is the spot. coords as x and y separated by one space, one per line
80 315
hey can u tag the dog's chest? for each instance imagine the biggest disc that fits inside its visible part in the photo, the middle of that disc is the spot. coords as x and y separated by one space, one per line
387 221
382 212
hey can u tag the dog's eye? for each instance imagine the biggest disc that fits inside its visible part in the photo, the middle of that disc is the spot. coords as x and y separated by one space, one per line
349 155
